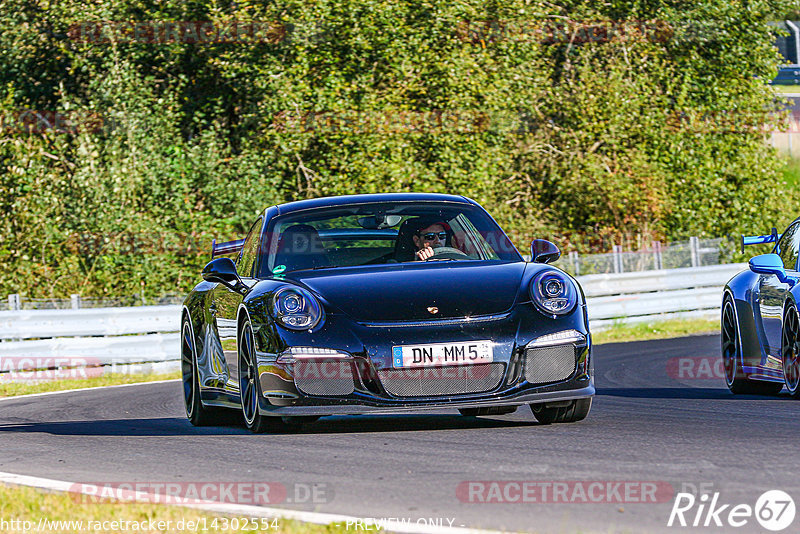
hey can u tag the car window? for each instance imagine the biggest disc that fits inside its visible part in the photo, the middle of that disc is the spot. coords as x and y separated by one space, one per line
380 234
250 250
787 247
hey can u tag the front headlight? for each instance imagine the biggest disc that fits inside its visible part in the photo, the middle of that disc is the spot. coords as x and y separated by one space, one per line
297 309
553 293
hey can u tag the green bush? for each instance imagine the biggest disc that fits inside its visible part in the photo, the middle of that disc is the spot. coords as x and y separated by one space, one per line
581 121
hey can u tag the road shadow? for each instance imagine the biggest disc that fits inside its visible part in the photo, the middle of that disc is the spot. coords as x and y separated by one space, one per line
179 426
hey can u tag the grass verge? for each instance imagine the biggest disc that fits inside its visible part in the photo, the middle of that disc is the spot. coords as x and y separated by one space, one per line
783 89
20 504
791 173
25 387
656 330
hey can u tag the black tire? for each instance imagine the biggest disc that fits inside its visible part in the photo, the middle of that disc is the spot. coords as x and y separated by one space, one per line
576 410
250 391
197 413
790 351
249 385
735 377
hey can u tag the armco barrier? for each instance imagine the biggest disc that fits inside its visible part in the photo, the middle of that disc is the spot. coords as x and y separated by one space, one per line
692 292
116 337
148 334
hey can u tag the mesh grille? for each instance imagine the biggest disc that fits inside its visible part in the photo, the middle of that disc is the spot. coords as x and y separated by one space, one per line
549 364
324 377
436 381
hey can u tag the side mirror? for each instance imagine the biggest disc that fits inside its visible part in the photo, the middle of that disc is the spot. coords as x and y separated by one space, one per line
223 271
771 264
543 251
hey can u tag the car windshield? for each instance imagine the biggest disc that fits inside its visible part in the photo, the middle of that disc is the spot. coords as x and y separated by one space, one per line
372 234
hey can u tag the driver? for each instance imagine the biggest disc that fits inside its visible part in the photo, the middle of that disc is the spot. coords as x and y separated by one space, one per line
428 238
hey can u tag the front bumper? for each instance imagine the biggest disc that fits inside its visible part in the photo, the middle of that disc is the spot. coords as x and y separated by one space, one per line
359 388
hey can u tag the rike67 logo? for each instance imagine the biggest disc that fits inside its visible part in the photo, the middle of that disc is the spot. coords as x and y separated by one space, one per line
774 510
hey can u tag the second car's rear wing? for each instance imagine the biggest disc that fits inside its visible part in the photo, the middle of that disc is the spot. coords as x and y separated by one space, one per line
760 239
228 247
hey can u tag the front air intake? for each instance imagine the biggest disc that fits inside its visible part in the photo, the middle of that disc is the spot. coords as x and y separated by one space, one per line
544 365
438 381
318 376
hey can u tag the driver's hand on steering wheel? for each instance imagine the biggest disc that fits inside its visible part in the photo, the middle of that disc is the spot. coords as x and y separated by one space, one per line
425 252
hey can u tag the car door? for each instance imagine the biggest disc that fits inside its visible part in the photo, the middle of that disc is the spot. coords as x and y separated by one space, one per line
772 294
226 304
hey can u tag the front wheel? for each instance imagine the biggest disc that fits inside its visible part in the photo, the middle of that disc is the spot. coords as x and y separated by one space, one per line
249 384
735 378
790 352
249 387
562 412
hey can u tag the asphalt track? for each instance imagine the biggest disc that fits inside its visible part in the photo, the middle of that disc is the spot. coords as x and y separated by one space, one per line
652 420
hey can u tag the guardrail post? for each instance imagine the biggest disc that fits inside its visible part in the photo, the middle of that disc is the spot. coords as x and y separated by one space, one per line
657 258
576 266
694 245
616 251
75 301
14 302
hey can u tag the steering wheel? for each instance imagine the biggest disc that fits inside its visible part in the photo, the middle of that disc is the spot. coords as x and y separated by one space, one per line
447 253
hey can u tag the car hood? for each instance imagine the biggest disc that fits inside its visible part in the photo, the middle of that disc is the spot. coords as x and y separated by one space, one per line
410 292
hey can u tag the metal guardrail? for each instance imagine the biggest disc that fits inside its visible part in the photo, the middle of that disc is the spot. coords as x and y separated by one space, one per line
694 292
41 339
29 324
136 339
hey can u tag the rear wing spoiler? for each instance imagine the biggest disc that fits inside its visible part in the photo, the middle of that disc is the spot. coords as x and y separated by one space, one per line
760 239
228 247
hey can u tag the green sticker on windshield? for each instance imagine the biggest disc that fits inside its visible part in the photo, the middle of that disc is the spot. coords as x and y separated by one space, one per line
279 269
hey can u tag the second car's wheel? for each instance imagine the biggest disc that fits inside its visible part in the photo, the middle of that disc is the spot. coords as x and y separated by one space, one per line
790 351
735 378
562 412
196 412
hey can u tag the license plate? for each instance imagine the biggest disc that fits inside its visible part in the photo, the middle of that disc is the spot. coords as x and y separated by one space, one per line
436 354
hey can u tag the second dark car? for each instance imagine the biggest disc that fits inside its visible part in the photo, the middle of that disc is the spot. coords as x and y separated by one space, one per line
760 324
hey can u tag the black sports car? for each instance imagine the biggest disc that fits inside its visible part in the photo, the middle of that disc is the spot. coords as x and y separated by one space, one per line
374 303
760 326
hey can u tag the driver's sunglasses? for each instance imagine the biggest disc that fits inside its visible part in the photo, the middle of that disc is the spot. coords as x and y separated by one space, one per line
430 236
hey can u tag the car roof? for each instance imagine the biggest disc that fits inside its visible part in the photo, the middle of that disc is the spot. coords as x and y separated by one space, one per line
346 200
